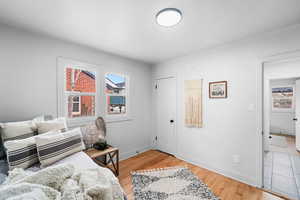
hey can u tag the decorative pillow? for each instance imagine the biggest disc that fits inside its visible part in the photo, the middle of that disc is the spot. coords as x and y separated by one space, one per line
91 134
17 130
58 124
22 153
41 118
52 148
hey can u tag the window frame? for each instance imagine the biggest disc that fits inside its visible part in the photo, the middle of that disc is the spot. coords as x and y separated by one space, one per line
79 105
121 116
283 110
62 108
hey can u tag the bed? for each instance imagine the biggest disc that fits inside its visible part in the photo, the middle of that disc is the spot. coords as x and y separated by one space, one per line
80 159
83 163
80 162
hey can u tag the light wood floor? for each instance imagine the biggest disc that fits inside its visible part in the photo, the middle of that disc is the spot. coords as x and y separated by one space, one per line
223 187
290 148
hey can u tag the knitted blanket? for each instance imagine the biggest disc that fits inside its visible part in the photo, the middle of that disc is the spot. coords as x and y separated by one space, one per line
61 182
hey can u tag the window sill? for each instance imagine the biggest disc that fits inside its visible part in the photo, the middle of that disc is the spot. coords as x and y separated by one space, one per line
117 119
283 111
73 123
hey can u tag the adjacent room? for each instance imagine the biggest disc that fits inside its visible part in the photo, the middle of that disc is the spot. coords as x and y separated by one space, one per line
281 147
149 100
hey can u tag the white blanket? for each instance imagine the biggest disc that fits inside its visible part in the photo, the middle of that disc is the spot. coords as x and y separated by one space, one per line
62 182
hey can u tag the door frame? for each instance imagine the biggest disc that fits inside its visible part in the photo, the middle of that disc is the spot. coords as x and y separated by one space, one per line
263 117
296 99
175 116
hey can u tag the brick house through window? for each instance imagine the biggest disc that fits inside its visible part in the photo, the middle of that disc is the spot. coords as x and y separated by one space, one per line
80 81
81 93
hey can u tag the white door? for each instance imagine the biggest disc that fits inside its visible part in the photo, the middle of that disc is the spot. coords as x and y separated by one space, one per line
297 114
166 114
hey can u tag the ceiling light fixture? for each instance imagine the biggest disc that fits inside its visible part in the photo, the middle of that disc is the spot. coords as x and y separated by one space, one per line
169 17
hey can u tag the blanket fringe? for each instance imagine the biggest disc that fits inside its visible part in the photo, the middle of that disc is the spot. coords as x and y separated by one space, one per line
157 169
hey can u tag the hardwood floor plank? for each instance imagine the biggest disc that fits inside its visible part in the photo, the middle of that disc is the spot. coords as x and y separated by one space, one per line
224 187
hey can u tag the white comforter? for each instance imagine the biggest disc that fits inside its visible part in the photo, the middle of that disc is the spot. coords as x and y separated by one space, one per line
74 178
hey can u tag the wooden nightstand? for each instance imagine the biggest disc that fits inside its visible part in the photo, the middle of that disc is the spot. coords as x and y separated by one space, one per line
111 152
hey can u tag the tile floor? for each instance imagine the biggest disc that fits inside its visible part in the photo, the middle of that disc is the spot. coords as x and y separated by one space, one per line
282 173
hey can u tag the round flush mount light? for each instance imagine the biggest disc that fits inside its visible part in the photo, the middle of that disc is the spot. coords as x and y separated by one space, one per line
169 17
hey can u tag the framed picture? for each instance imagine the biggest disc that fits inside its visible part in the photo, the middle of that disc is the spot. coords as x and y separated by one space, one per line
283 98
218 90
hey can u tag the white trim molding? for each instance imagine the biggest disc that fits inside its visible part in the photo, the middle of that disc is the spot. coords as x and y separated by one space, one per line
62 64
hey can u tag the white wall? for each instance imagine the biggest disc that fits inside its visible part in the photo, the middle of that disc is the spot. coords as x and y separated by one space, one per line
232 126
28 83
282 121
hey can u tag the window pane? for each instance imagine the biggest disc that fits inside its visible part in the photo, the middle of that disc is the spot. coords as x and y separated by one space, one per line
115 84
85 107
116 104
76 99
282 97
80 80
76 107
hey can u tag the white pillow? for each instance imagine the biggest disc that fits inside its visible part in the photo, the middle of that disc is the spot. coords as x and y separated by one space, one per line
22 153
17 130
58 124
52 148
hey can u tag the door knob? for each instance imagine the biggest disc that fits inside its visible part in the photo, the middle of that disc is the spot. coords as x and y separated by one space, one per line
295 119
172 121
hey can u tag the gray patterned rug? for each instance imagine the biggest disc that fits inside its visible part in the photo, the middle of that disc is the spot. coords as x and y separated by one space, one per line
177 183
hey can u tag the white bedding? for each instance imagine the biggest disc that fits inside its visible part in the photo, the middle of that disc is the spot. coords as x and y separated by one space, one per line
80 159
88 176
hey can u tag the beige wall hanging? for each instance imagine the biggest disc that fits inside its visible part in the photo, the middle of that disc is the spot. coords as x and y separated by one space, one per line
193 103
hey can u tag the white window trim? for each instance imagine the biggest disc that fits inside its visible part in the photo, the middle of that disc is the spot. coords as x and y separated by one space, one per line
282 110
62 94
118 117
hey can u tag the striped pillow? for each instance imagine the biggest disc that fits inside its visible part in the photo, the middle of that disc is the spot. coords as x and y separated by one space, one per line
52 148
17 130
22 153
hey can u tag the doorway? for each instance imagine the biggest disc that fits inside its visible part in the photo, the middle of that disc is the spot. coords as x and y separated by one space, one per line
281 128
165 90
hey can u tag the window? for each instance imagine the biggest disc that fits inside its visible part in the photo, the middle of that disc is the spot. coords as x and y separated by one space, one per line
283 98
76 105
77 91
80 91
116 94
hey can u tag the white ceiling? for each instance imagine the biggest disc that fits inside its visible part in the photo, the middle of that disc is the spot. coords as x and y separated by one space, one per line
128 27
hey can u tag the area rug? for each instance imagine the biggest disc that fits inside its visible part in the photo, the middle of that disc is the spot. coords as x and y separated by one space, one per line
176 183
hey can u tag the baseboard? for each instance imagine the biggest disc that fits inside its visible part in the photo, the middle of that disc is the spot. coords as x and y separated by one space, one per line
129 154
233 175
